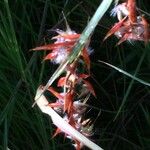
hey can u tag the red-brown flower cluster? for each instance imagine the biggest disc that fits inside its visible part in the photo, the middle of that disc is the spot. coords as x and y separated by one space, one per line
74 85
132 25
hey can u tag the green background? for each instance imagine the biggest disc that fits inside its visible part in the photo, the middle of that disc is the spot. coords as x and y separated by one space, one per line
25 24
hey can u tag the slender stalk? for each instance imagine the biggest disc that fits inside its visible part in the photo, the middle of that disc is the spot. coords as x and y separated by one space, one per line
126 73
130 85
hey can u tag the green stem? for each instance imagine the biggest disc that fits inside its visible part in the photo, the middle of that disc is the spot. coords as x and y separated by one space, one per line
130 86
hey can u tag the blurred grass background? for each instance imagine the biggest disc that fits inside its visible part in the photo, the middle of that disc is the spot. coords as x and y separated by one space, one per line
27 24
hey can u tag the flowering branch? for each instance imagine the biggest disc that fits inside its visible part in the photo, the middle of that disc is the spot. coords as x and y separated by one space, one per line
61 123
103 7
71 50
132 26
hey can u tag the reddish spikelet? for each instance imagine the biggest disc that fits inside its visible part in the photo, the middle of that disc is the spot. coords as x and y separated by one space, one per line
61 48
115 28
56 132
54 105
146 30
55 46
50 56
68 103
124 38
55 93
131 4
83 76
86 57
89 87
61 82
68 36
78 145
